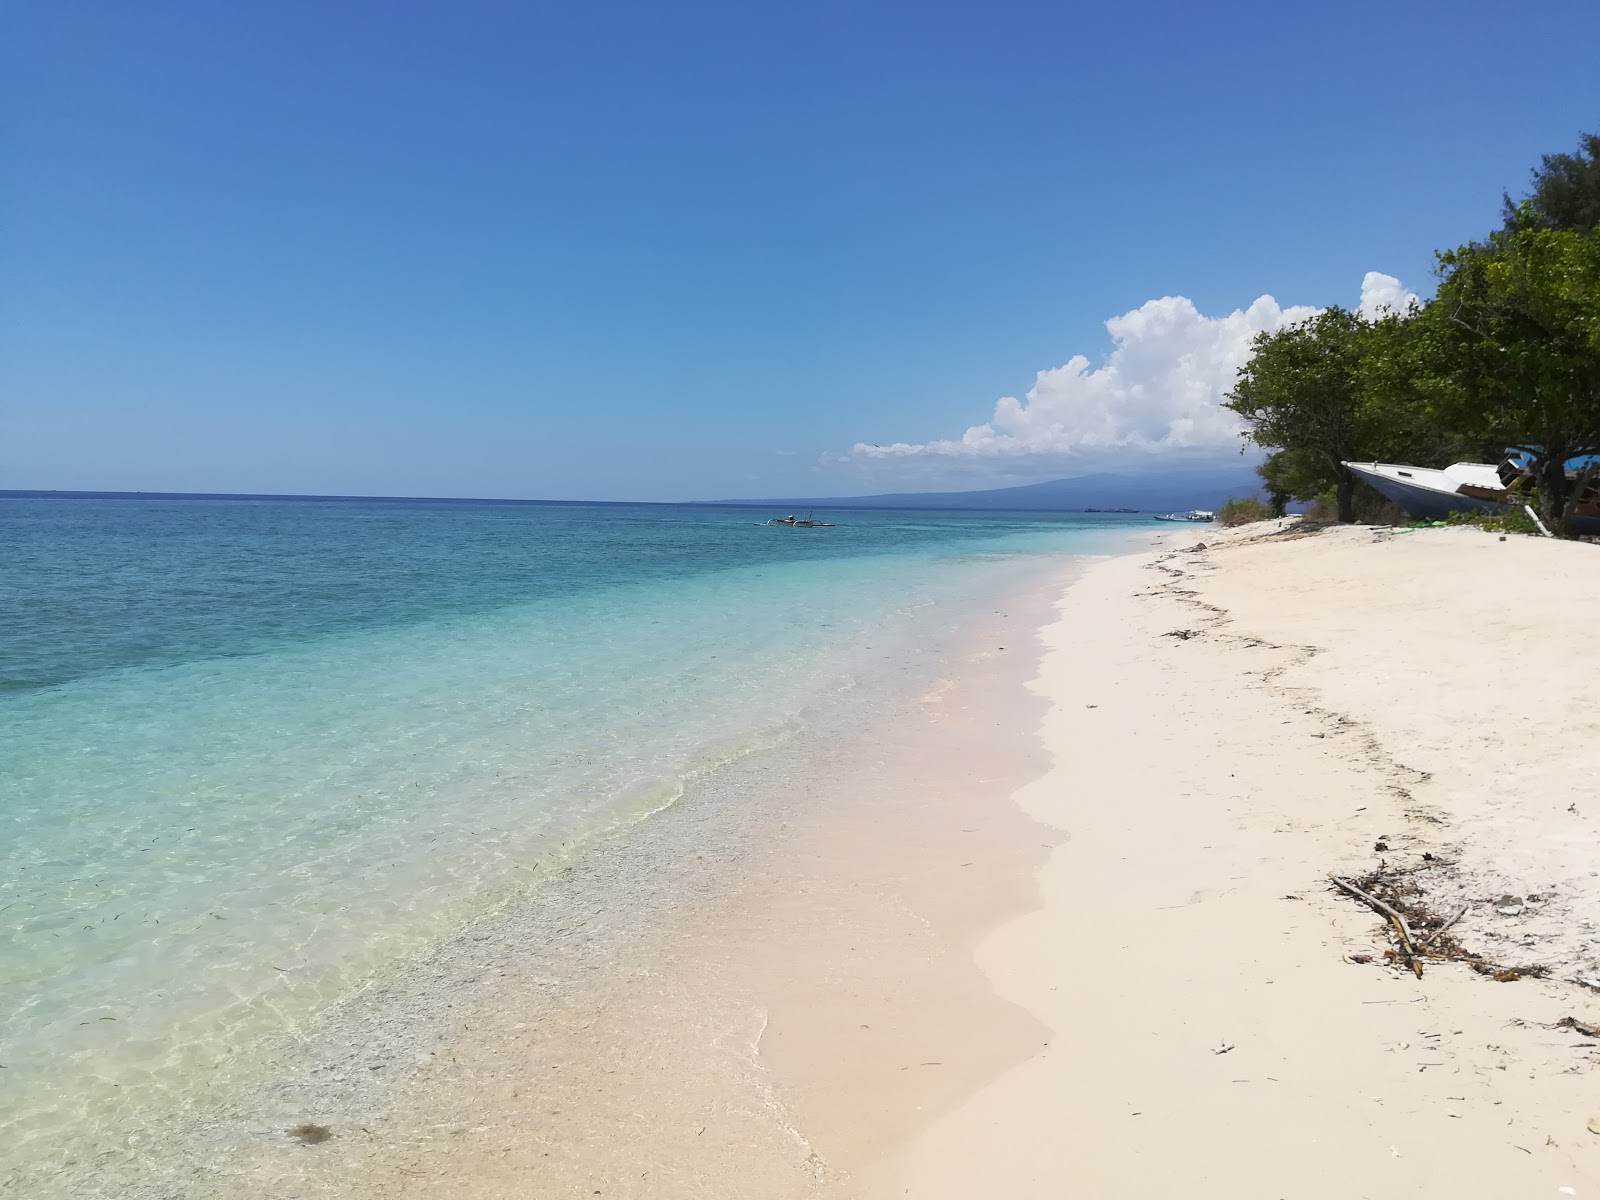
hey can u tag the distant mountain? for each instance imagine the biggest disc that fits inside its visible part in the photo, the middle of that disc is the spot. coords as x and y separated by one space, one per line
1178 488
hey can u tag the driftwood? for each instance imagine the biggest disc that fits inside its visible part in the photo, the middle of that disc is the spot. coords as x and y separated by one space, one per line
1408 943
1436 942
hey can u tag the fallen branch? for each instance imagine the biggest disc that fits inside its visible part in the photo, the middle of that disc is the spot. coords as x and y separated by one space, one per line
1408 943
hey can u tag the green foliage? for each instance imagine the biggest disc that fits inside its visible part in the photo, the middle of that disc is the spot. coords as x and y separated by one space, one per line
1294 475
1514 342
1300 392
1513 520
1244 511
1566 191
1334 389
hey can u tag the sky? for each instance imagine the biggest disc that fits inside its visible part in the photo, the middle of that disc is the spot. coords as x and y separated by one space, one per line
690 251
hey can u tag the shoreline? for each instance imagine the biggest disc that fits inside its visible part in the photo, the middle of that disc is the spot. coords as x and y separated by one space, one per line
699 978
1235 718
1050 912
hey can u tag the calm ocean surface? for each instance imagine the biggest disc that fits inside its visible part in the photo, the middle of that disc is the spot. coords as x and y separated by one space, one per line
252 751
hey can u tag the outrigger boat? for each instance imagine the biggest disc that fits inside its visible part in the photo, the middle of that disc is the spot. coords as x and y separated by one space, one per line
1196 514
794 522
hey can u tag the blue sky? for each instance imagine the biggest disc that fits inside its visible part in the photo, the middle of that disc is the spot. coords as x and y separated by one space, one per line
677 251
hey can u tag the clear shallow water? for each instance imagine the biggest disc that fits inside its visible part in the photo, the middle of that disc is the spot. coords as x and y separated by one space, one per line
252 751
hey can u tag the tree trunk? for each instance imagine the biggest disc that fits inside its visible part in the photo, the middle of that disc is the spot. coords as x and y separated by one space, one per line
1345 496
1575 490
1550 477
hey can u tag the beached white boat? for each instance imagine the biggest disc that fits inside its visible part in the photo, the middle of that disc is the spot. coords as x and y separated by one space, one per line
1429 492
793 522
1194 514
1434 494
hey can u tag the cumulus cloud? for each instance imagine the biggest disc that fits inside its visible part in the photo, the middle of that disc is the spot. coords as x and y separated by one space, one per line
1160 390
1382 294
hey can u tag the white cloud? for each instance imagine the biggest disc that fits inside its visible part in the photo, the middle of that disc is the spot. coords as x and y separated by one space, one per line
1382 293
1160 390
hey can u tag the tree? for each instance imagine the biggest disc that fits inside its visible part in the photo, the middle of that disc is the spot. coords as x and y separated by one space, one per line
1515 343
1566 191
1311 391
1293 475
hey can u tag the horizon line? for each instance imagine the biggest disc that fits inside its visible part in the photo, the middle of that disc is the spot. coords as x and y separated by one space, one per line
842 502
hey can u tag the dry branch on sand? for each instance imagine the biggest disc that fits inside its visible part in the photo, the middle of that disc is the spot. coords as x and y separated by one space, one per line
1403 908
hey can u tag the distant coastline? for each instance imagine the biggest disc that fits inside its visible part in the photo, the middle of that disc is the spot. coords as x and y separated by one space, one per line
1155 500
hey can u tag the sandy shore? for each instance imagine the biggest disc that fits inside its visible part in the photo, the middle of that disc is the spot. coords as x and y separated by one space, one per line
1230 726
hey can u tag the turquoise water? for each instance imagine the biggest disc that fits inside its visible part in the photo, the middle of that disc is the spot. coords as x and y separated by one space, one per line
253 751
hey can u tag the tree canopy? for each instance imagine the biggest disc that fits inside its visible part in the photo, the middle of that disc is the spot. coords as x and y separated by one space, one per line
1516 334
1301 392
1566 191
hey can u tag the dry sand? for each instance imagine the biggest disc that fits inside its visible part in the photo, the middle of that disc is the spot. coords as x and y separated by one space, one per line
1229 726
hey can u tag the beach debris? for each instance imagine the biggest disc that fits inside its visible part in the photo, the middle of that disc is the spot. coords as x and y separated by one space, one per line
1223 1048
1582 1027
1506 974
1401 929
1183 635
1439 933
1594 1124
1509 906
308 1134
1393 893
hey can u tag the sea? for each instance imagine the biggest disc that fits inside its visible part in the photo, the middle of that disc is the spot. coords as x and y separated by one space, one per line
254 752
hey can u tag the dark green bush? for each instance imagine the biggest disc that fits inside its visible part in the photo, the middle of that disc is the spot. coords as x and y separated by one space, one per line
1243 511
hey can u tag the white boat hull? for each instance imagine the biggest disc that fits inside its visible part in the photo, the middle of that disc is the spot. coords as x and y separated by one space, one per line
1432 494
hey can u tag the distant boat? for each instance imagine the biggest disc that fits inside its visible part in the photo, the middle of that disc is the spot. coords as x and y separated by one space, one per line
794 522
1433 494
1194 514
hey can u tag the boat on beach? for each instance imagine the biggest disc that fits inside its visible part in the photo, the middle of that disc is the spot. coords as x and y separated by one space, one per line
793 522
1195 514
1434 493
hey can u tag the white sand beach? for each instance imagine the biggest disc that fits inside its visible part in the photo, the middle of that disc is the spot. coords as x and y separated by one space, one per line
1230 726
